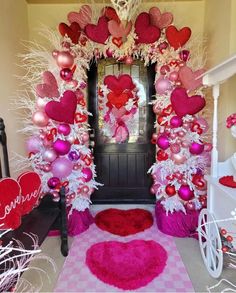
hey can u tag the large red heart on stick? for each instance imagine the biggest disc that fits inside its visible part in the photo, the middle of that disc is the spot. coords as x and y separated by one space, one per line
118 100
49 88
120 83
98 33
177 38
73 31
64 110
30 184
183 104
146 32
128 266
10 204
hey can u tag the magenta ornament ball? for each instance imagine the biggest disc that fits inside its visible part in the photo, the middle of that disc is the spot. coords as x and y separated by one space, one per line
185 193
53 182
64 59
33 144
176 121
64 129
163 142
62 168
87 174
196 148
66 74
40 119
62 147
49 155
162 86
184 55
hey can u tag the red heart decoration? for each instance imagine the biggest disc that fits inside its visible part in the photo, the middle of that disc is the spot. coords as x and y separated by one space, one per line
111 14
167 111
10 207
80 118
196 128
126 265
118 100
119 84
162 155
117 41
30 184
83 17
177 38
49 88
189 78
98 33
117 30
64 110
73 31
146 32
159 19
183 104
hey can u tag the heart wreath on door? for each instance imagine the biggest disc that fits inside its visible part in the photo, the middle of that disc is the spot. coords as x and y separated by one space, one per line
118 101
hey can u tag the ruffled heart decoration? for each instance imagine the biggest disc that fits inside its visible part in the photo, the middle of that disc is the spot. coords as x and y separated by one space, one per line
119 103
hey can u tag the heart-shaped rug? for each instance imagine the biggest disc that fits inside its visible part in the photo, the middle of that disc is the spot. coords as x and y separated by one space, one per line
189 78
83 17
73 31
49 87
177 38
183 104
124 222
63 111
98 33
119 84
127 266
146 32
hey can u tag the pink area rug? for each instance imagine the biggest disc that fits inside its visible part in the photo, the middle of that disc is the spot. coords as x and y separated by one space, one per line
124 222
128 265
76 276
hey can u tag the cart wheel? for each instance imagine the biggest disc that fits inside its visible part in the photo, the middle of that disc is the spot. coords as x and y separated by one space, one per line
210 243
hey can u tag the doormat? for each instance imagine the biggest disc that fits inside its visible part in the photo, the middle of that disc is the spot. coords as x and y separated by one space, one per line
127 266
124 222
75 275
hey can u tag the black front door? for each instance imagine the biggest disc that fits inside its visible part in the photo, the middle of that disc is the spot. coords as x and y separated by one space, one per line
122 167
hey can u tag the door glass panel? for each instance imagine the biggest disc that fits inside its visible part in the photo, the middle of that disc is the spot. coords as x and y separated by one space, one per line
137 123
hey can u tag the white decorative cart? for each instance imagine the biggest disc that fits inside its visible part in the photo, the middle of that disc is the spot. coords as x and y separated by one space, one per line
221 199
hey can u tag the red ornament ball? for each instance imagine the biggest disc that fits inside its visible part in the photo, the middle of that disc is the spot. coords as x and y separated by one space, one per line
66 74
170 190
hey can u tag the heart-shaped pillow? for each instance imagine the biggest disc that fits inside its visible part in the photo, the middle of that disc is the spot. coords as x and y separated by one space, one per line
189 78
183 104
177 38
159 19
127 266
146 32
73 31
10 207
49 87
117 30
83 17
63 111
98 33
119 84
30 184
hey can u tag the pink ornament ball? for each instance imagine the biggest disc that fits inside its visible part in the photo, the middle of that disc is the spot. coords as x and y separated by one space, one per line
163 142
162 85
62 168
175 148
178 158
109 53
173 76
53 182
85 137
40 119
129 60
196 148
62 147
87 174
33 144
49 155
66 74
64 129
185 193
41 103
84 191
176 121
64 59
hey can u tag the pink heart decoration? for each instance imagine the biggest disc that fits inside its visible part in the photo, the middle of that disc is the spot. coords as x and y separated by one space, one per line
161 20
189 78
98 33
118 113
30 184
10 207
117 30
129 265
49 88
119 84
146 32
183 104
83 17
